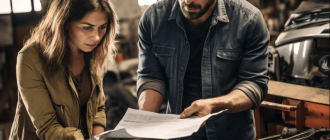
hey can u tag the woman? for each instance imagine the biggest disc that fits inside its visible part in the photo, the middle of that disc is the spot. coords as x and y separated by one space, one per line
60 69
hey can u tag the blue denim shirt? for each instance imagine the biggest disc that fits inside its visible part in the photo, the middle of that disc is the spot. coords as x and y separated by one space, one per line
236 53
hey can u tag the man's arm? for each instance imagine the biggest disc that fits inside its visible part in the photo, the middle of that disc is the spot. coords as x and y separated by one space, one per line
150 100
151 76
252 75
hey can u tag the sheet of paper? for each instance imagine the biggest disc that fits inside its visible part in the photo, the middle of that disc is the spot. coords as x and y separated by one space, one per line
145 124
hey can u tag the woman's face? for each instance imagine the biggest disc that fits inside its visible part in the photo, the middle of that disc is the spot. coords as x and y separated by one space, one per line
86 33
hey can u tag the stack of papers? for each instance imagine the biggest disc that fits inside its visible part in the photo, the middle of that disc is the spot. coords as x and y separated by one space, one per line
145 124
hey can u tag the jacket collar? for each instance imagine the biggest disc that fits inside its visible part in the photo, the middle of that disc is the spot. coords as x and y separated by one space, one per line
218 14
92 68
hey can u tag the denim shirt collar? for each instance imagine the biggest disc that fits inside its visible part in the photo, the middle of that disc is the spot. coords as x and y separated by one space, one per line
219 12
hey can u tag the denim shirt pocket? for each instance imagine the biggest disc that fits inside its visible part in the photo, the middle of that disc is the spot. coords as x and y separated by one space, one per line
227 62
165 57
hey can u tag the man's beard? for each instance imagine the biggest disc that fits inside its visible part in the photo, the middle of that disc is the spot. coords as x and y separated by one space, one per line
195 15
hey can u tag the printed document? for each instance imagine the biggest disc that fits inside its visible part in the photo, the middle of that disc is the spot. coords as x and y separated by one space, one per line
145 124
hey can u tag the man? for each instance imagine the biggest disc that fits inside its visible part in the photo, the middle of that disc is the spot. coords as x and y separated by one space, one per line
204 56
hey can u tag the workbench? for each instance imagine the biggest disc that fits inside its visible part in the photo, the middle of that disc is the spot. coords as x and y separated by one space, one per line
297 106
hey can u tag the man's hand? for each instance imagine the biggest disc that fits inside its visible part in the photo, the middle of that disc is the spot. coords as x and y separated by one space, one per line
201 108
234 101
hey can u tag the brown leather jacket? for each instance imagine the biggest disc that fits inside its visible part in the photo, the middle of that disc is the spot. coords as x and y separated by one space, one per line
48 106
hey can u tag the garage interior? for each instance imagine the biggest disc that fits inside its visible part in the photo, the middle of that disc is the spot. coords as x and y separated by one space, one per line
297 105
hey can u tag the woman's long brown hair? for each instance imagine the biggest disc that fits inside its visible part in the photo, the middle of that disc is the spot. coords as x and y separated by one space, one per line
51 35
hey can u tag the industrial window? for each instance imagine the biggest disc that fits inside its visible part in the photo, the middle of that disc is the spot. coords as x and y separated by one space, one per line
24 6
19 6
5 7
146 2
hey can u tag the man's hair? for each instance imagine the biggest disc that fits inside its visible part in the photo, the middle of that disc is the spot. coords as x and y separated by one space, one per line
51 34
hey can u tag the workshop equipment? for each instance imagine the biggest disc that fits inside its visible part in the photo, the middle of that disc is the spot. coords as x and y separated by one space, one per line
298 66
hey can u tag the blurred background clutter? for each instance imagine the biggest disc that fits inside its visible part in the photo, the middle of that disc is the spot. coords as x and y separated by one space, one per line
298 98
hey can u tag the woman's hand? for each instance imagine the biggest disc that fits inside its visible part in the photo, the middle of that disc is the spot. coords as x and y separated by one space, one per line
97 129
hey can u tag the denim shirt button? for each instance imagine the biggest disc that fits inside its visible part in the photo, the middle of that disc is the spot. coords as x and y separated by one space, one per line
181 68
186 42
180 90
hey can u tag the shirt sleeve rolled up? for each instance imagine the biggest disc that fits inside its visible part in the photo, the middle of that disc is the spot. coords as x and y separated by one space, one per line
153 84
253 91
252 71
